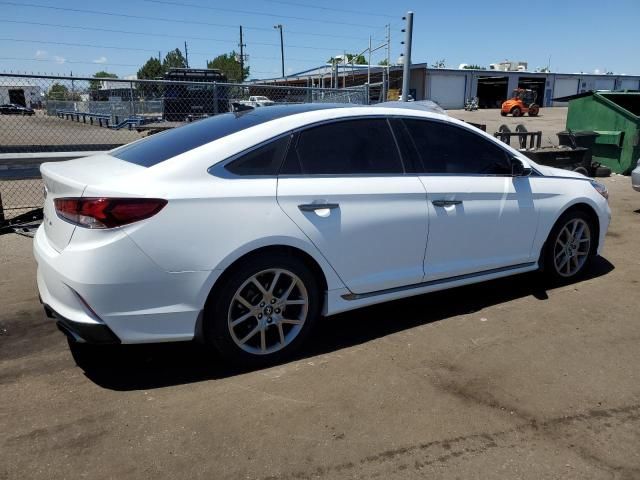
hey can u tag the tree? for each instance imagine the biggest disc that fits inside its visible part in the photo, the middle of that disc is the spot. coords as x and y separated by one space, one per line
151 70
383 63
174 59
351 58
439 64
229 65
356 59
96 84
473 67
58 92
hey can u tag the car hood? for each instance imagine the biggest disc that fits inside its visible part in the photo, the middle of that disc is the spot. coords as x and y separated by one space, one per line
557 172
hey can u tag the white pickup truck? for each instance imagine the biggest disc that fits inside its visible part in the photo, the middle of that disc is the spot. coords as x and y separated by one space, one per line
257 101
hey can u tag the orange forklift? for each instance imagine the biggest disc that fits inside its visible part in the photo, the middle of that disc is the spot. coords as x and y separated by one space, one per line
523 101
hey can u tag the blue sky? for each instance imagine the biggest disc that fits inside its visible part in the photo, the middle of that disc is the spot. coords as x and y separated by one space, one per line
584 35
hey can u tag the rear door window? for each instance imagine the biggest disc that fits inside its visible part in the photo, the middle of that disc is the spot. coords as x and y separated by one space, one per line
350 147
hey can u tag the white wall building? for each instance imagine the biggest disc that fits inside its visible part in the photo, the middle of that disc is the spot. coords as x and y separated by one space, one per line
450 87
21 94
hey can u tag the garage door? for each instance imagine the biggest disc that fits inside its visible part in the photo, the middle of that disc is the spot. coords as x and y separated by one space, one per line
447 90
629 84
564 87
605 84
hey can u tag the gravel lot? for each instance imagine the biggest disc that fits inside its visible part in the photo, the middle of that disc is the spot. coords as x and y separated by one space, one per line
504 380
550 122
49 130
46 130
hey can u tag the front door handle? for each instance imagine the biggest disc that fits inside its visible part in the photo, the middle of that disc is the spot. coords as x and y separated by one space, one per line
312 207
446 203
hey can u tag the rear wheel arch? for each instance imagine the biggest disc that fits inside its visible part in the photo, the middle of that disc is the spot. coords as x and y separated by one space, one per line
288 250
211 331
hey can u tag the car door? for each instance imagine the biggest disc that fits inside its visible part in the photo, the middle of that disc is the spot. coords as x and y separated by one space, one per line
481 217
343 183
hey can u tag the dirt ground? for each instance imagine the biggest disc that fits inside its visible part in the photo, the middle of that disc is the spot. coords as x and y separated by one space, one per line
549 122
46 130
41 129
504 380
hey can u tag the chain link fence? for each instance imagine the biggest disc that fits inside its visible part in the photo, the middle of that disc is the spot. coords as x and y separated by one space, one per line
42 116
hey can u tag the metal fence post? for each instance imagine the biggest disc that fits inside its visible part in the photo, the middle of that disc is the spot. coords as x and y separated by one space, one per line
1 211
215 98
131 104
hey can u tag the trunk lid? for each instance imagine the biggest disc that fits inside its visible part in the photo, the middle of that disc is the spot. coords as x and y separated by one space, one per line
70 179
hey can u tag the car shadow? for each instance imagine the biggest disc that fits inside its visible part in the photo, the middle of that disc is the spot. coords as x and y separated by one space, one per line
144 367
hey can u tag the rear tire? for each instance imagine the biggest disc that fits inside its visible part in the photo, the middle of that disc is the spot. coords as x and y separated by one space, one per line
264 310
534 110
570 246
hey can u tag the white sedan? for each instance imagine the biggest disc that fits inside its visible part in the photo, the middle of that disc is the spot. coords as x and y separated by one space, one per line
242 229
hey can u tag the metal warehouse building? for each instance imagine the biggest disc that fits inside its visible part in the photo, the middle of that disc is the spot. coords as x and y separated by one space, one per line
450 87
21 92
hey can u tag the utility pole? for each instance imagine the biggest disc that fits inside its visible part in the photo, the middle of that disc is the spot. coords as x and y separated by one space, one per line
369 64
186 54
344 70
279 27
385 83
159 59
242 45
406 71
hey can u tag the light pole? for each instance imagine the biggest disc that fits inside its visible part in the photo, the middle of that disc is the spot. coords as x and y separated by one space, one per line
406 71
279 27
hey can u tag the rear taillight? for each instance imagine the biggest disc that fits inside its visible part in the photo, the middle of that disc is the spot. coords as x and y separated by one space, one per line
106 212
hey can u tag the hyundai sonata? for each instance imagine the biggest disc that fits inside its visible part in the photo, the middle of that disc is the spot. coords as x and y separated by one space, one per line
241 230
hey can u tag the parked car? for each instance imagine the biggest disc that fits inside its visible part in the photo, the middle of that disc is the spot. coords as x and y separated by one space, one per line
257 101
15 109
244 228
635 177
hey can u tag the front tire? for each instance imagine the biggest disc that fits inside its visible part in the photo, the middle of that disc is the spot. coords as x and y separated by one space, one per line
570 246
264 311
516 112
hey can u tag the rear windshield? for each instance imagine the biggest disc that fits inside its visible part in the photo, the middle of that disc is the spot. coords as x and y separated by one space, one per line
162 146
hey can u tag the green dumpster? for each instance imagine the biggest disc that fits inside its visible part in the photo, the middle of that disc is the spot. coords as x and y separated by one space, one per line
615 117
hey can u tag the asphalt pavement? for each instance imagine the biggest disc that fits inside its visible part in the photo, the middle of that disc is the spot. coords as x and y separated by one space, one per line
511 379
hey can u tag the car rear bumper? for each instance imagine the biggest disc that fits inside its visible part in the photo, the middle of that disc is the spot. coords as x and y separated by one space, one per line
109 288
82 332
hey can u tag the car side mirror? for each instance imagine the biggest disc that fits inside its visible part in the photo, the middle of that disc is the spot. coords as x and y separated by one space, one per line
519 169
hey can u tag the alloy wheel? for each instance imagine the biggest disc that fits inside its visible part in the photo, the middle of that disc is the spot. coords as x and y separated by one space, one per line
571 248
268 311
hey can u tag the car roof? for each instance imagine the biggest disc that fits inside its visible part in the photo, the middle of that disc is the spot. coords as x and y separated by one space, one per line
421 105
160 147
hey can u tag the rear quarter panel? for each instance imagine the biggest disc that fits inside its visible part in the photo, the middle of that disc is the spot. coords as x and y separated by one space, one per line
211 222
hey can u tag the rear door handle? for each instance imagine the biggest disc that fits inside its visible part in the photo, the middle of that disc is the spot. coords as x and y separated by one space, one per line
446 203
312 207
